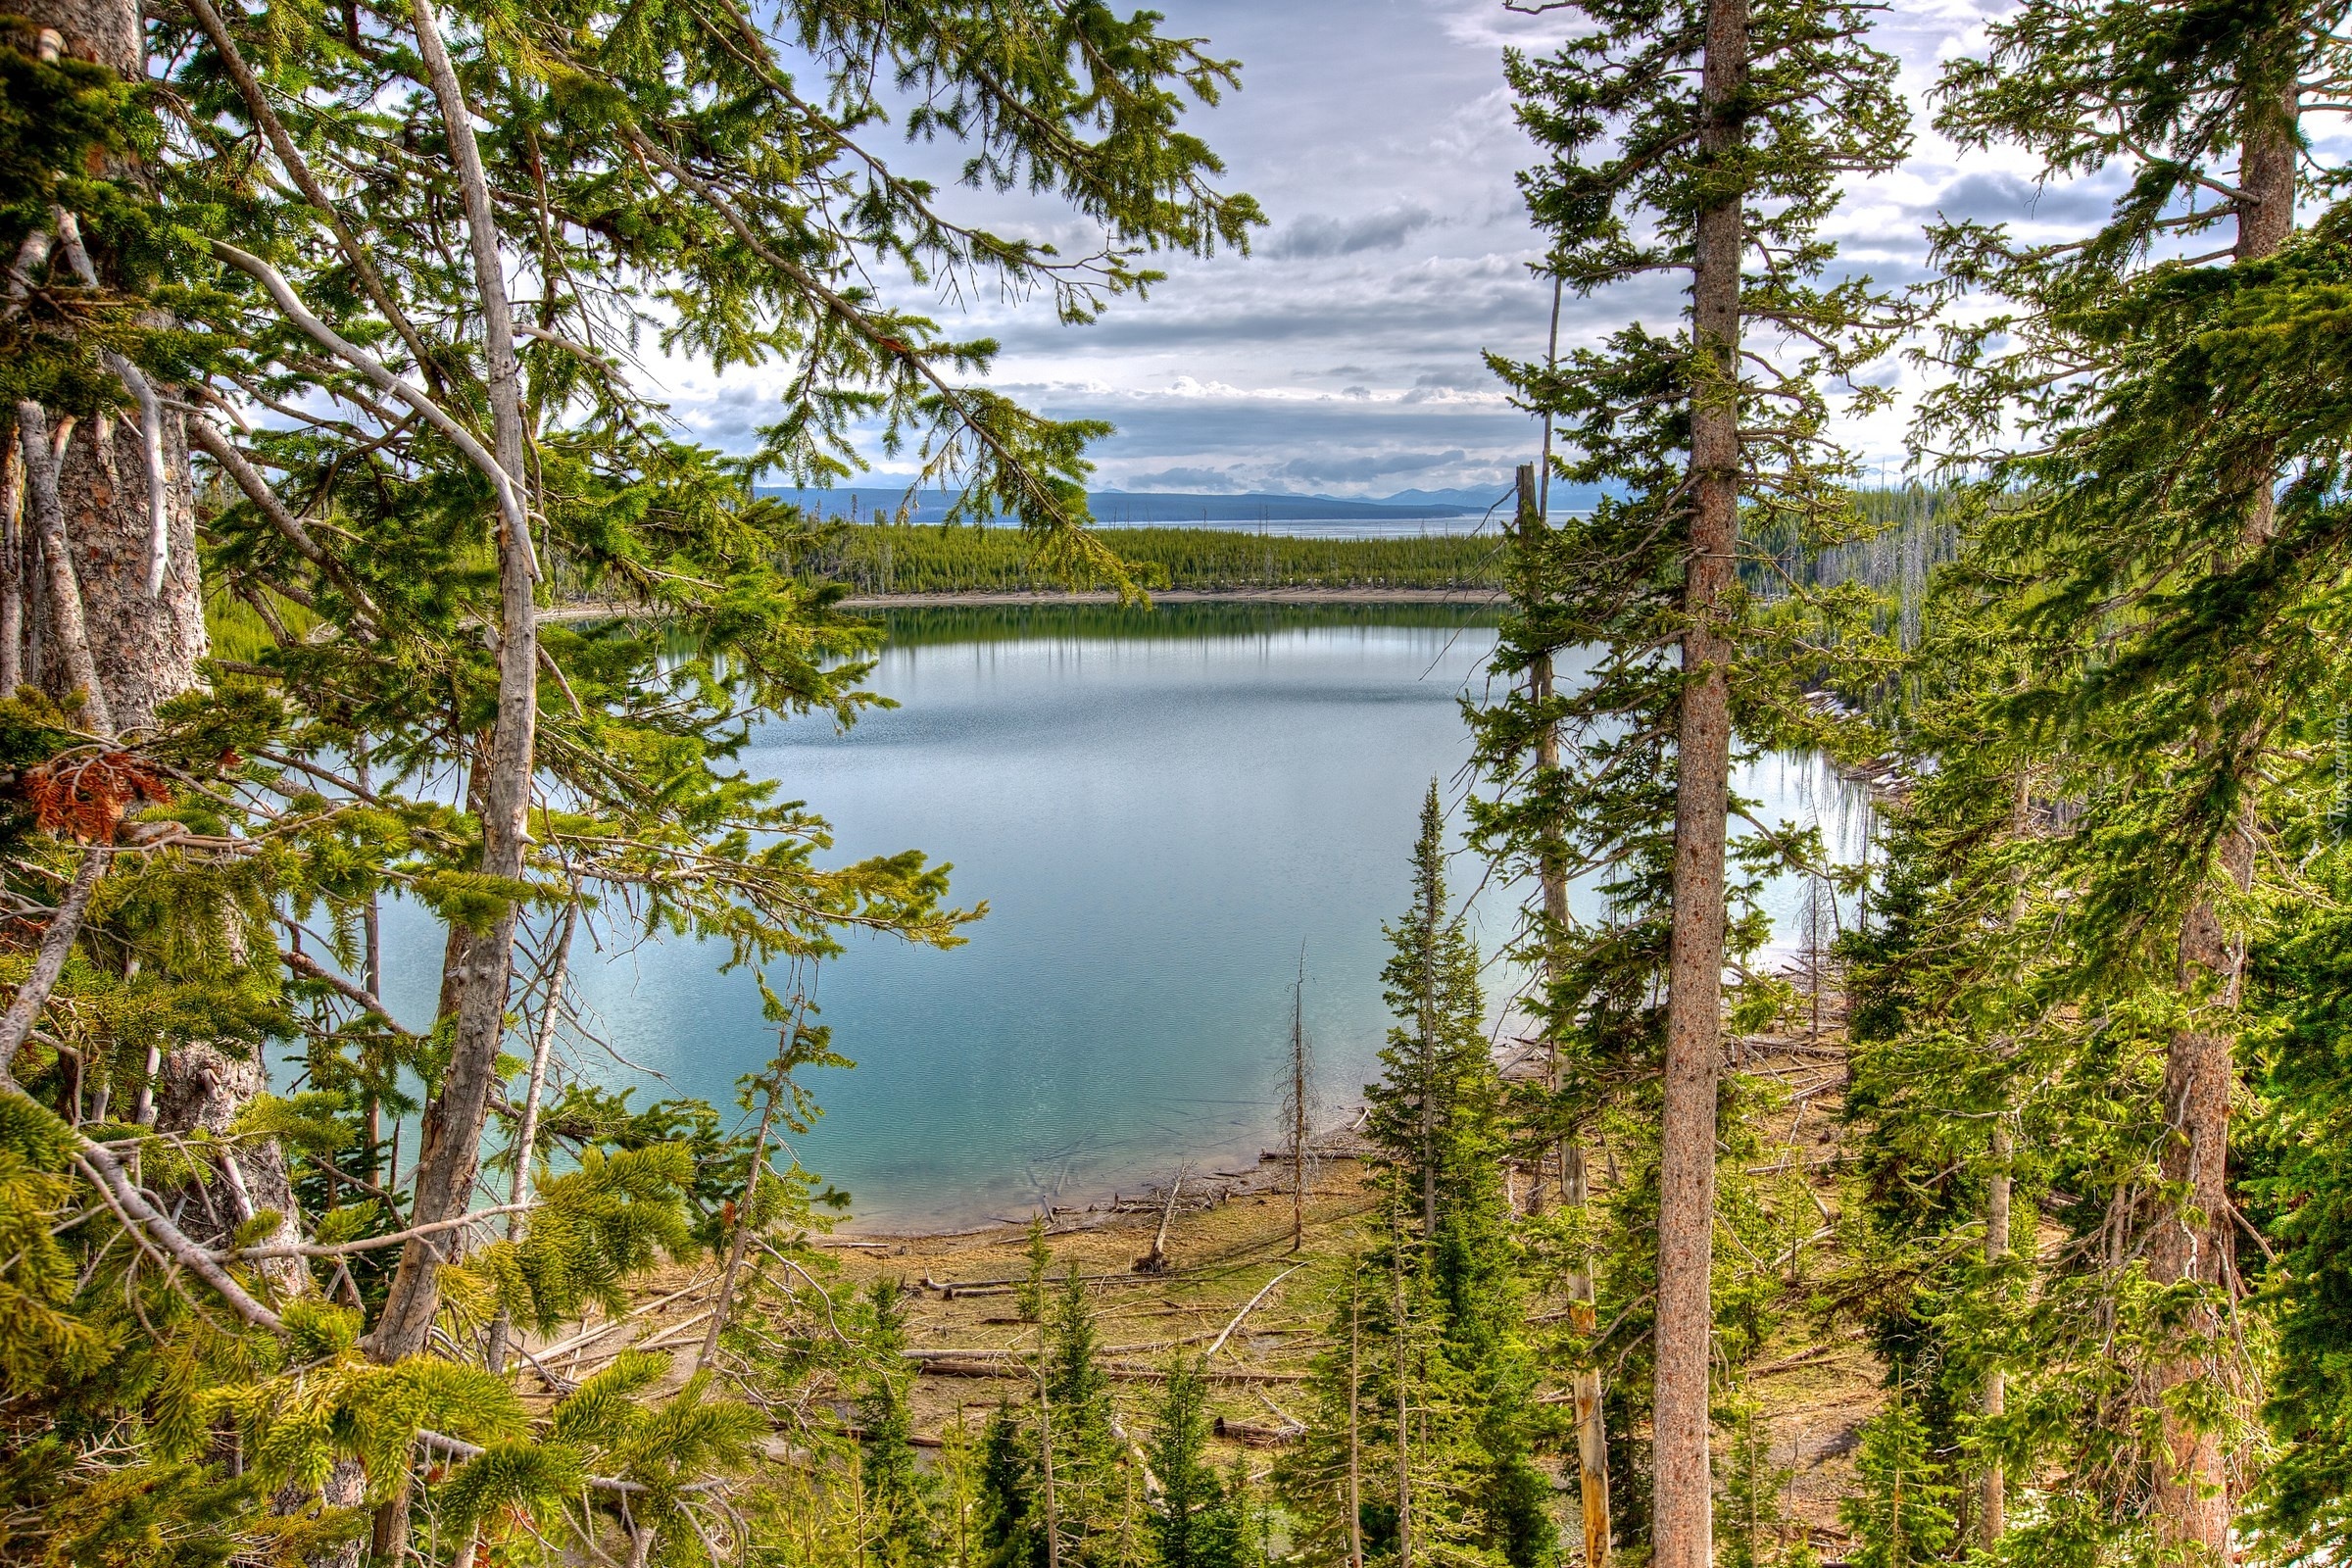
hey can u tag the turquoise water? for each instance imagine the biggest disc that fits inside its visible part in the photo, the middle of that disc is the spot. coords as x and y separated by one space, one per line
1159 812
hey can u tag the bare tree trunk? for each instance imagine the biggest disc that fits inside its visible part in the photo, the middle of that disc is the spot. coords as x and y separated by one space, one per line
11 569
1404 1465
450 1142
1045 1449
1684 1522
1355 1500
1592 1427
1298 1127
49 960
1583 1387
64 601
526 1126
740 1241
1992 1511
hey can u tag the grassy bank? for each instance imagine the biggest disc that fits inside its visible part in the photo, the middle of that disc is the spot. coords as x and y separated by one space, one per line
919 558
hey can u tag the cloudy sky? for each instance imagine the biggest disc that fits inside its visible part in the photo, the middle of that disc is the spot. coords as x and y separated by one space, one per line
1342 354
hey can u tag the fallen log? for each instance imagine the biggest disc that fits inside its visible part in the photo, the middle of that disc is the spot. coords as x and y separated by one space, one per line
1251 1436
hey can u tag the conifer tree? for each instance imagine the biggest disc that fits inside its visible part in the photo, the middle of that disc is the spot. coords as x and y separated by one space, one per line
2139 473
899 1496
1432 1111
407 377
1704 141
1197 1521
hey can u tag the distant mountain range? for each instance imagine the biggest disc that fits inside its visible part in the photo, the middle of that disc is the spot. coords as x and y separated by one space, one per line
1134 508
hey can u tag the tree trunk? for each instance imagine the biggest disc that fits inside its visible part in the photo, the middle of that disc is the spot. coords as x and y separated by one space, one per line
201 1088
1404 1464
76 665
2195 1244
146 644
1992 1511
1684 1525
1591 1425
526 1126
1355 1501
1583 1387
479 964
12 569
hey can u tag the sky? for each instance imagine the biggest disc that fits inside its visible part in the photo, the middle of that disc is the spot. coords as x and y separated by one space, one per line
1342 354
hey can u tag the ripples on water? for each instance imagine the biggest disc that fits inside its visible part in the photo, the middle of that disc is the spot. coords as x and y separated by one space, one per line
1159 809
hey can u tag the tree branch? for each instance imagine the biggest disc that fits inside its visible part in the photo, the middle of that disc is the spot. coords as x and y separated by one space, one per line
57 942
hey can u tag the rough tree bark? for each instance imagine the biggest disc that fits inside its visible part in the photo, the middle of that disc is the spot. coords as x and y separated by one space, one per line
1684 1519
146 644
478 965
2195 1244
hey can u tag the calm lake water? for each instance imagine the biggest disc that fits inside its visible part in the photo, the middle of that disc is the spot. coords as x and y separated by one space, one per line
1160 812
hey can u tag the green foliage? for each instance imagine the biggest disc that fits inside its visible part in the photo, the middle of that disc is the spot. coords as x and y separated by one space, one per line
1904 1513
1199 1521
712 179
2303 1192
901 1496
1031 1294
915 558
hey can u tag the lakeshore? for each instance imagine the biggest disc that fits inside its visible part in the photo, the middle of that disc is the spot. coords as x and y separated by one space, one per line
1027 599
1232 1289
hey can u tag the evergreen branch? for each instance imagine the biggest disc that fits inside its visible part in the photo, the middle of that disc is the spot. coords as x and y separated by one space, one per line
304 964
265 500
257 103
459 1448
904 354
510 501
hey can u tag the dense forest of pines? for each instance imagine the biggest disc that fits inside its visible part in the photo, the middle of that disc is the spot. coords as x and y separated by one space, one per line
317 321
916 558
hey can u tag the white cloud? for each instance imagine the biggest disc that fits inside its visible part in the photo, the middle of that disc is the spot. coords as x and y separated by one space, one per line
1345 353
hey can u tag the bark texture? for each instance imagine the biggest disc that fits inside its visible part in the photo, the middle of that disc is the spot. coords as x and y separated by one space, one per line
1993 1488
1684 1518
145 647
200 1089
2194 1242
480 965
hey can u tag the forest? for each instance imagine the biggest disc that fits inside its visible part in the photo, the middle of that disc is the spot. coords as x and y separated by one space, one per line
318 341
914 559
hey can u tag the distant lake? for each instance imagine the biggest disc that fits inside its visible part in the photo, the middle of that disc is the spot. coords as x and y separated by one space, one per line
1160 810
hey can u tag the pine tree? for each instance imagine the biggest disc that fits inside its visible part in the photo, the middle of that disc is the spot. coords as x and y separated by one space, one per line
452 452
1432 1111
1707 141
1197 1521
901 1496
2206 113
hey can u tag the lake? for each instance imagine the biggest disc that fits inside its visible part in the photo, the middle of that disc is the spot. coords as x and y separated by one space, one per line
1162 812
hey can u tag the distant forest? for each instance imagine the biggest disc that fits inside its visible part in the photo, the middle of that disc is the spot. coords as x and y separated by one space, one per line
1905 533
